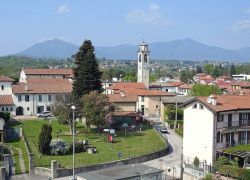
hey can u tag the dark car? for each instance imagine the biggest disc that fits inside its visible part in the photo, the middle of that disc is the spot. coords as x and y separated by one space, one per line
164 130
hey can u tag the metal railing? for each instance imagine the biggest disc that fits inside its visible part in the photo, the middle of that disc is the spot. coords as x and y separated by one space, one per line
234 123
231 144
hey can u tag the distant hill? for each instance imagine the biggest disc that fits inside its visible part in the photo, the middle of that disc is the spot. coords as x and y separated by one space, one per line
183 49
50 49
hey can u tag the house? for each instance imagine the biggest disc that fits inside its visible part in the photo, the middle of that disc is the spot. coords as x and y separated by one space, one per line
185 89
44 73
39 94
214 123
125 102
128 172
241 77
171 87
6 98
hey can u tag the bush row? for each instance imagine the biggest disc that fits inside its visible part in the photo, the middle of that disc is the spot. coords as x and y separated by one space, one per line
234 172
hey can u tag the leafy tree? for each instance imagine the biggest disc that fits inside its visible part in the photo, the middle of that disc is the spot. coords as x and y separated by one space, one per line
196 162
45 139
209 68
217 71
97 109
63 110
187 76
204 90
87 76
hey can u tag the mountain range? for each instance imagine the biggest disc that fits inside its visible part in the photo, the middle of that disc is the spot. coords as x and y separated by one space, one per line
183 49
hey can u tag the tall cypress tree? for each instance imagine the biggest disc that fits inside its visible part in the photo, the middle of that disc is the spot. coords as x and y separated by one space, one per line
87 76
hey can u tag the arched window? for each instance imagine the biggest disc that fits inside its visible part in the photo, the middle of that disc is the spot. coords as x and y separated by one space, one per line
195 106
145 58
201 107
139 57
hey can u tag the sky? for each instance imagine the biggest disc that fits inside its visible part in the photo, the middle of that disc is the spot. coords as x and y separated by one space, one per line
223 23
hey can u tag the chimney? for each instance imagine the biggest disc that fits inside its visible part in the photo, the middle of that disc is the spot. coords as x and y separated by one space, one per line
122 94
26 87
209 99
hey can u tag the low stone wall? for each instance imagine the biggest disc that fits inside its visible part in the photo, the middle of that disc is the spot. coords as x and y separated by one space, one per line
148 157
42 171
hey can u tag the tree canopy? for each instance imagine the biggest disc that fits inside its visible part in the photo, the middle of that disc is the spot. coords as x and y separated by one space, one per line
97 109
204 90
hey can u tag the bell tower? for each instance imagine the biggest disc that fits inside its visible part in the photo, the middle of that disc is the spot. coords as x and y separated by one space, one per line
143 64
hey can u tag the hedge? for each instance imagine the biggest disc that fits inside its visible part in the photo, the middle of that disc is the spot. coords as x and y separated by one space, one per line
5 115
235 172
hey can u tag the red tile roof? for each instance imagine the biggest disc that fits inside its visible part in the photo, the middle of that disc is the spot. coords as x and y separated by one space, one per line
5 79
186 86
145 92
241 84
6 100
119 98
173 84
228 102
121 85
49 71
43 86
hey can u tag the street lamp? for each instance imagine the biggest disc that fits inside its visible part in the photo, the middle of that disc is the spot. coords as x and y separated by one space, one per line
73 108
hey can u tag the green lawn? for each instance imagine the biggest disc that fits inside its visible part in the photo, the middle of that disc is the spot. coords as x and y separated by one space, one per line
135 144
245 147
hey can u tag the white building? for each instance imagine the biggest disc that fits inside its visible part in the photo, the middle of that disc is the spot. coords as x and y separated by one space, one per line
241 77
214 123
6 99
38 95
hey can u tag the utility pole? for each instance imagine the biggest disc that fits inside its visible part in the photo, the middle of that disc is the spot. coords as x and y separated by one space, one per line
175 122
73 108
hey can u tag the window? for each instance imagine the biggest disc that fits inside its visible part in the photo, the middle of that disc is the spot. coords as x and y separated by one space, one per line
2 108
19 98
49 98
156 106
220 118
201 107
27 98
28 108
140 58
243 116
142 99
11 109
218 137
2 87
195 106
7 109
40 98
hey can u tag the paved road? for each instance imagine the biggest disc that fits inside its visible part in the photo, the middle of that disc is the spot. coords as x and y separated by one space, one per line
174 156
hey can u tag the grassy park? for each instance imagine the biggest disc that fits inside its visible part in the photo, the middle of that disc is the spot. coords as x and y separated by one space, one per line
135 144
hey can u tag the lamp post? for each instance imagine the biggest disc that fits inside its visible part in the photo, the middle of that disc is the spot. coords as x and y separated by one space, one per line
73 108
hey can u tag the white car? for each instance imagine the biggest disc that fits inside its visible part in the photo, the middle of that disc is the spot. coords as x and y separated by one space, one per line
44 114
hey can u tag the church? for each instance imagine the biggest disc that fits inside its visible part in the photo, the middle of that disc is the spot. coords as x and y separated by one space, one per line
134 97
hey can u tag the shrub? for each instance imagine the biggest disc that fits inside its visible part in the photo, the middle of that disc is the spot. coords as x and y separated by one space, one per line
58 147
5 115
45 139
79 147
196 161
222 160
208 177
235 172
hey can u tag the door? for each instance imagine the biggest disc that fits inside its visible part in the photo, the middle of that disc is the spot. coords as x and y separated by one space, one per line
19 111
40 109
142 109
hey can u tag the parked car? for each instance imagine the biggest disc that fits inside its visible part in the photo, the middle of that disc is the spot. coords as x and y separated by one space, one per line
44 114
164 130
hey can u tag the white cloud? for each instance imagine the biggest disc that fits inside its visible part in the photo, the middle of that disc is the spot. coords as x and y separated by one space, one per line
247 11
152 15
244 24
64 8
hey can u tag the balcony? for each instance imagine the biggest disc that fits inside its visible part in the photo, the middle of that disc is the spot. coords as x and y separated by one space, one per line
231 144
221 125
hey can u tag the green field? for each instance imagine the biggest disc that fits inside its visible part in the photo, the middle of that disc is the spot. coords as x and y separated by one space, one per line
136 144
